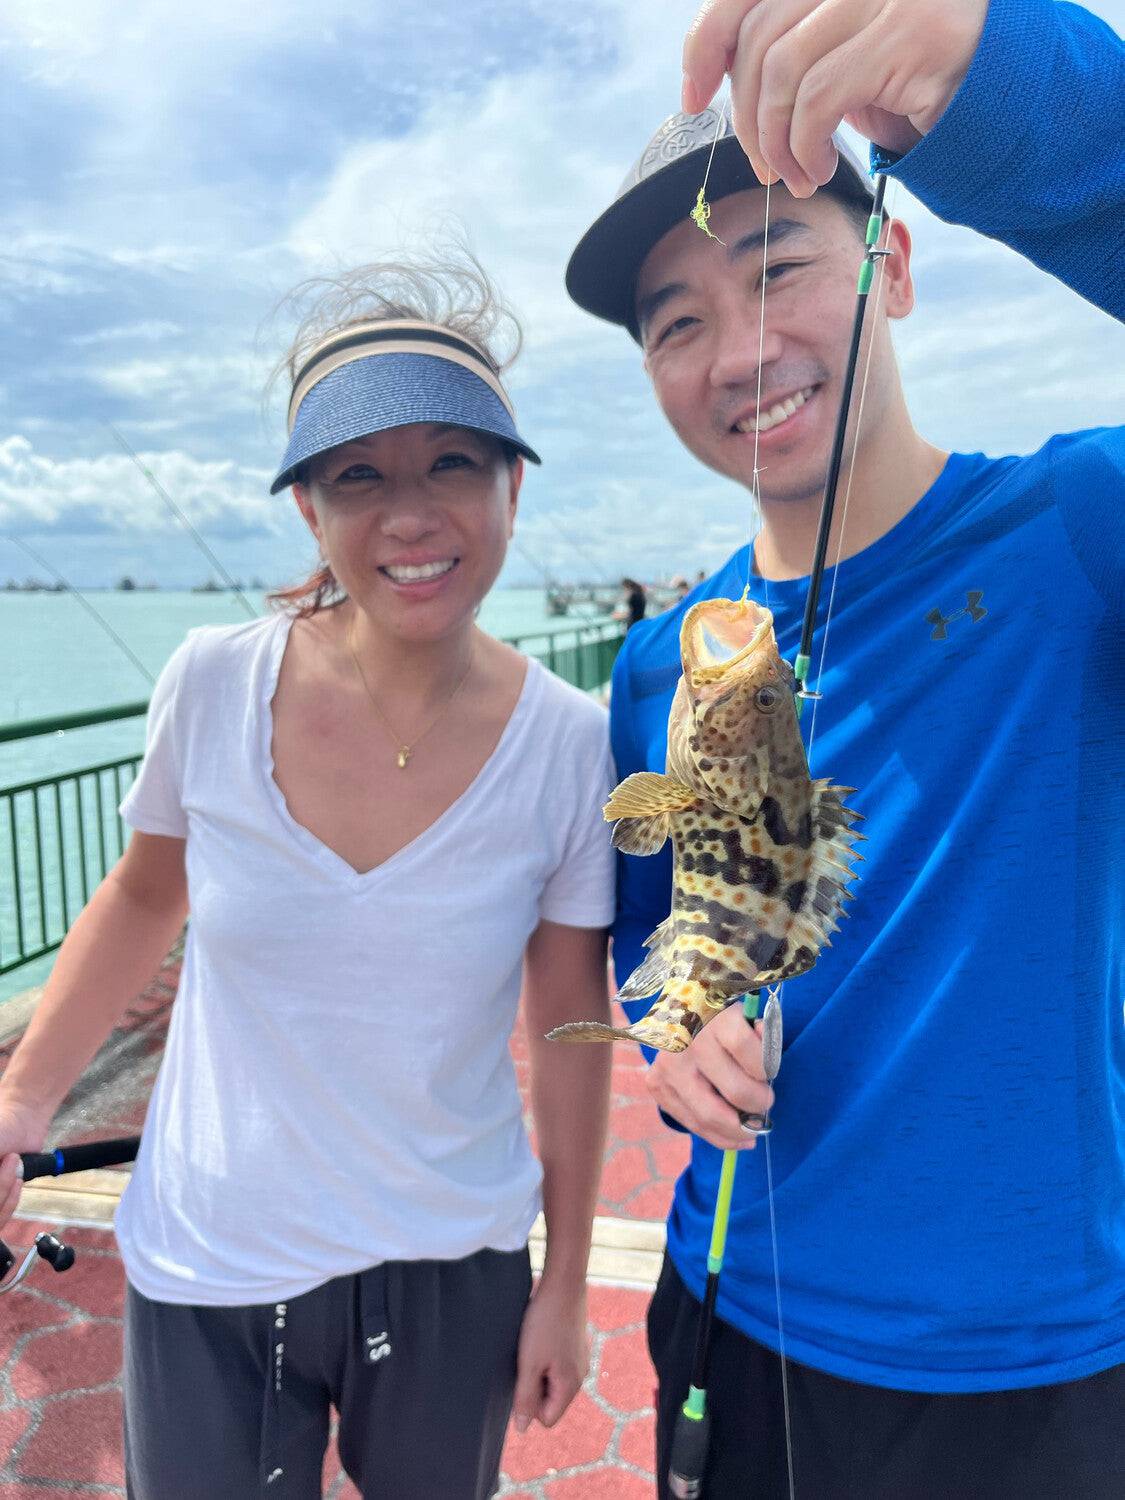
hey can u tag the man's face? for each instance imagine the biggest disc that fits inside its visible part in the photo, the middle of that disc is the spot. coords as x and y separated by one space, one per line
699 305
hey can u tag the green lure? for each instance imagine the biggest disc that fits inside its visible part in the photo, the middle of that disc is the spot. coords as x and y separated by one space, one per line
700 215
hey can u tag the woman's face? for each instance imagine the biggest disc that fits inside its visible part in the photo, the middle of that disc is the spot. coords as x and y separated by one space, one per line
414 523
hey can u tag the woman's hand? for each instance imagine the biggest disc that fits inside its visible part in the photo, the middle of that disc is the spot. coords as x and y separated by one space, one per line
20 1130
800 67
554 1354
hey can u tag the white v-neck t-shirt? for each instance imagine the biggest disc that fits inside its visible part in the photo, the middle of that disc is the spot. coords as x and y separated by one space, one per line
337 1088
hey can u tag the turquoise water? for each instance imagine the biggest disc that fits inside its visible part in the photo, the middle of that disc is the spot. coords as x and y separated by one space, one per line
55 659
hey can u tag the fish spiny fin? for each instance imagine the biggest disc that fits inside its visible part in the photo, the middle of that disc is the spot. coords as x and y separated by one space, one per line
653 973
830 869
641 807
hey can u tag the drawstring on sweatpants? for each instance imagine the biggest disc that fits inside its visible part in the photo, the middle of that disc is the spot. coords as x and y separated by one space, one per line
271 1414
374 1327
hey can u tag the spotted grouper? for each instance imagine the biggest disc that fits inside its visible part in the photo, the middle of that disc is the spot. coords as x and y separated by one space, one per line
762 852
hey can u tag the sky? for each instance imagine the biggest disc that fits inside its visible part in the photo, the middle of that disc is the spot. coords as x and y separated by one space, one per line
170 172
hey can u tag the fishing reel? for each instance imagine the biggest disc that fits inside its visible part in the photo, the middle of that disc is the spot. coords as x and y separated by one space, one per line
47 1247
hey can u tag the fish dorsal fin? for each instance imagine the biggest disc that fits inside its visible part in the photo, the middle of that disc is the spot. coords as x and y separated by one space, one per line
654 972
642 808
830 869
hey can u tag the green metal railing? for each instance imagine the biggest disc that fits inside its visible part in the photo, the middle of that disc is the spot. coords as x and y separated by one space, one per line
60 835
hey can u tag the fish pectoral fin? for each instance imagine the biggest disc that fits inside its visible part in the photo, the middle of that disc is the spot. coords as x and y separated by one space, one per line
641 835
641 809
647 794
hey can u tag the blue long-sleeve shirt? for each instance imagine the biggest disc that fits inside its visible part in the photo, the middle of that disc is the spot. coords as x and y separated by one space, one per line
949 1157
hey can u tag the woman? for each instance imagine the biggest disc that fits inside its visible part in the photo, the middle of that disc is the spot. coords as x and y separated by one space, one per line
377 816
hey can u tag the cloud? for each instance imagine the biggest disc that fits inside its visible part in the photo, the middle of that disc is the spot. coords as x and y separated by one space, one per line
174 169
110 494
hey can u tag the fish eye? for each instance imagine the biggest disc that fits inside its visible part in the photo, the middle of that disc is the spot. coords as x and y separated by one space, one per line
767 698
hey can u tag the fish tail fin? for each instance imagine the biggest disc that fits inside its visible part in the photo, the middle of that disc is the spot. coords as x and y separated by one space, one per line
669 1026
590 1031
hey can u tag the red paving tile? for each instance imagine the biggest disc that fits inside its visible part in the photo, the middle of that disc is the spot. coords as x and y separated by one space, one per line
611 1483
100 1289
650 1202
612 1307
626 1378
636 1122
627 1167
14 1422
84 1356
79 1439
581 1437
636 1443
19 1491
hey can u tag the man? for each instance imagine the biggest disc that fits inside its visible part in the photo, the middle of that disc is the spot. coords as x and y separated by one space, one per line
634 602
948 1155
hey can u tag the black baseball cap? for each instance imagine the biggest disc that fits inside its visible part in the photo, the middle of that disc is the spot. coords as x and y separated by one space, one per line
659 193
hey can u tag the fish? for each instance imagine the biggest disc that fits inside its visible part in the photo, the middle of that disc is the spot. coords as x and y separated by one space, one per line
763 854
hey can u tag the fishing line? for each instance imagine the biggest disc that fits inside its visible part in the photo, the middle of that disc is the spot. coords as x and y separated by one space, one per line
701 213
182 518
780 1325
758 397
86 605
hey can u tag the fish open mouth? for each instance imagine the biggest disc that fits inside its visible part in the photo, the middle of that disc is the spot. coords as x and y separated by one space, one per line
719 635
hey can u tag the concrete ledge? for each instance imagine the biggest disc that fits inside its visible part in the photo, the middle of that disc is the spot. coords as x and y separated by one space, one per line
625 1252
16 1013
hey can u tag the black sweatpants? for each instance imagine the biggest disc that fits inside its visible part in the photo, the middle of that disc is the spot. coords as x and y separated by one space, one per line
860 1442
418 1358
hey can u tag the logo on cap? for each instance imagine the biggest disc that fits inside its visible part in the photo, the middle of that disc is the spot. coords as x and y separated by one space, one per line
676 137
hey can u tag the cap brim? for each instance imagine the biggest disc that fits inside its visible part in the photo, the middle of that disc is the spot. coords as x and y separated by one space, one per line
601 275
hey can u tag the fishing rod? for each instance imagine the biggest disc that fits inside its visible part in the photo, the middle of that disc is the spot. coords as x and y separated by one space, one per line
185 522
81 1157
692 1432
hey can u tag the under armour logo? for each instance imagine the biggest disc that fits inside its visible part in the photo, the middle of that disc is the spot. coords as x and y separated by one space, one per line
973 609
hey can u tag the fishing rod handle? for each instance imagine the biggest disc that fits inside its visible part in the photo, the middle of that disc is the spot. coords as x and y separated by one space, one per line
691 1439
79 1158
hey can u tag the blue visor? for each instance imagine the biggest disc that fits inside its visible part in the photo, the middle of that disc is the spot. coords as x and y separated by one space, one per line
382 391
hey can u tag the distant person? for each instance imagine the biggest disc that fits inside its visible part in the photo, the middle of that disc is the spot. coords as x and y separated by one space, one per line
947 1165
378 818
634 602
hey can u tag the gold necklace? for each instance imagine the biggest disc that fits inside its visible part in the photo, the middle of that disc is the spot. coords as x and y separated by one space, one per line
405 750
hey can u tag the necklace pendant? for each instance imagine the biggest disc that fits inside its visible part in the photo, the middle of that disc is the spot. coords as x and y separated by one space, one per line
403 757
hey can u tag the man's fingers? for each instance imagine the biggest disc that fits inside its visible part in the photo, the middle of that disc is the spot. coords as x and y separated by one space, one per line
741 1041
737 1087
762 30
841 83
686 1095
708 48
